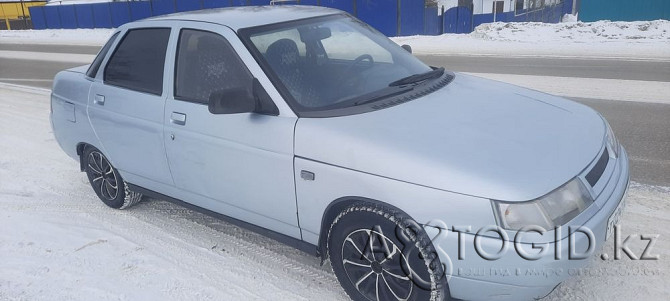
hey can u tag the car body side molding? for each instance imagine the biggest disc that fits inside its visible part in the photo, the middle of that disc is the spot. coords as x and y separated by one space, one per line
285 239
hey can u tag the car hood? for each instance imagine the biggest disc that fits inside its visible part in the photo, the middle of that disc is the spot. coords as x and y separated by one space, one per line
474 136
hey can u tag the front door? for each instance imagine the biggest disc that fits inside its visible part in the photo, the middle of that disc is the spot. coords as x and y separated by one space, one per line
240 165
126 107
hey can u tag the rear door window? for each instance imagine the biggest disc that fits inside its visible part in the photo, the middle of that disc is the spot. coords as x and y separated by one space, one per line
138 62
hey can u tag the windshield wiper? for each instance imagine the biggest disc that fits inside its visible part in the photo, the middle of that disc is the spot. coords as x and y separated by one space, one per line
381 94
416 78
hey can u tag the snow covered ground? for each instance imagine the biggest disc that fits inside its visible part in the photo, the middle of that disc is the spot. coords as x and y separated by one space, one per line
59 242
95 37
595 88
602 39
83 59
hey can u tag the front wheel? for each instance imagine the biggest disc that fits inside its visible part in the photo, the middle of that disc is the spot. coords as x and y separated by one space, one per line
380 253
107 182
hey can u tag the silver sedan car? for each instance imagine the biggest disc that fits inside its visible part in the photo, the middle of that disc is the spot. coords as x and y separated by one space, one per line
309 126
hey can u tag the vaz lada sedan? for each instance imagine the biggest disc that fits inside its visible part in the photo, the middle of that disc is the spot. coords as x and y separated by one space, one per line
308 125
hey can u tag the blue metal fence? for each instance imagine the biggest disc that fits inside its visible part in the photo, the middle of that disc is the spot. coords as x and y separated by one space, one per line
347 6
51 16
411 17
215 3
68 18
120 13
240 3
187 5
457 20
391 17
84 16
162 7
140 10
102 17
380 14
38 18
432 22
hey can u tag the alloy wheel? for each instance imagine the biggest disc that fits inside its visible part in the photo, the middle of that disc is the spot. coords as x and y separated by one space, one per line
376 266
104 177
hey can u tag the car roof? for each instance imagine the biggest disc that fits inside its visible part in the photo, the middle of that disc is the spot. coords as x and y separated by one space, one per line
250 16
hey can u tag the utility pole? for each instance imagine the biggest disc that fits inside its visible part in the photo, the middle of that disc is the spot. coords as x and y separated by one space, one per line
23 11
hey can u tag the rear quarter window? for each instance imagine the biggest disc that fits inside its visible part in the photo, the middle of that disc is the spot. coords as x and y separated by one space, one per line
95 66
138 62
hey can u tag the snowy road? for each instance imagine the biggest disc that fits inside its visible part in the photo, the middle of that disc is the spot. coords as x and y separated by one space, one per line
628 69
59 242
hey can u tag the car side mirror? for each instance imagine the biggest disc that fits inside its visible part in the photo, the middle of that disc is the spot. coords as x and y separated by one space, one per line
407 47
238 100
234 100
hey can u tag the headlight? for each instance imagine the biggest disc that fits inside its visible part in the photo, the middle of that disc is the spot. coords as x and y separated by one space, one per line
612 142
554 209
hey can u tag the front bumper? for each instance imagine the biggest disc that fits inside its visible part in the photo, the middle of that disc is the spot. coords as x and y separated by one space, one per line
512 277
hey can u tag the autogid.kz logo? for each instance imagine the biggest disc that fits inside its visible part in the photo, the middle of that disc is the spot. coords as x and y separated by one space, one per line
425 265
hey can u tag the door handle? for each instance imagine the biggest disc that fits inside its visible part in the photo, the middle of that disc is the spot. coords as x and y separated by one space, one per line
99 99
178 118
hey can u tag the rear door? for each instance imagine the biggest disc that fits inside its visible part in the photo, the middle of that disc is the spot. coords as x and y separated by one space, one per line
240 165
126 106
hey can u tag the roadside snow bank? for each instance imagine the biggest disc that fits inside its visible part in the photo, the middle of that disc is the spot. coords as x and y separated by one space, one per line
57 36
635 40
569 18
579 32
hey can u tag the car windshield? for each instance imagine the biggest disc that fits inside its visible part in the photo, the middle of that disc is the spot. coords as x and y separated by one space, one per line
333 62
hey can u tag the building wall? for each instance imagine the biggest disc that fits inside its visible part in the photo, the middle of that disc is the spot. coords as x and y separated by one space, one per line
486 6
624 10
479 6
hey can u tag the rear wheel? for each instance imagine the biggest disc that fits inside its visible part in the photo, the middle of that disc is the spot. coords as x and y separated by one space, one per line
380 253
107 182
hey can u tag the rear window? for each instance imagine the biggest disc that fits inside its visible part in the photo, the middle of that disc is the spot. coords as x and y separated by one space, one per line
93 69
137 64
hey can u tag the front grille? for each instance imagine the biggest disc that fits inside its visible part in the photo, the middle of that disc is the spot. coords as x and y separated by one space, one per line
594 175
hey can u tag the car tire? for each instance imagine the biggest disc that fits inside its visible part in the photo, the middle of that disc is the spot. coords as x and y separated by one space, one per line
107 182
381 253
